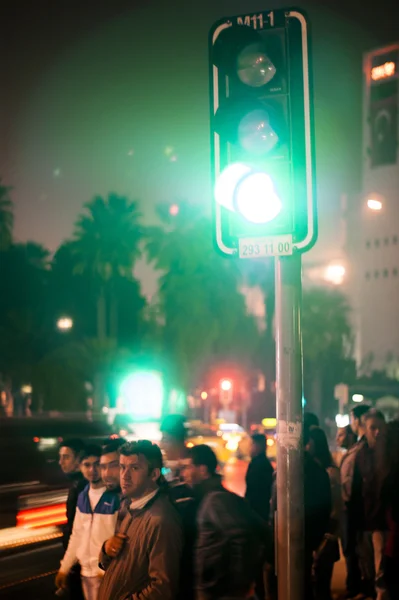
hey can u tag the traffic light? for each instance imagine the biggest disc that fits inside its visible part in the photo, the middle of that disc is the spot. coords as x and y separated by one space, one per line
226 392
261 134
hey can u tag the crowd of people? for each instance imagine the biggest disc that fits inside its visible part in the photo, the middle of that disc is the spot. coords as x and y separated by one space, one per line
143 525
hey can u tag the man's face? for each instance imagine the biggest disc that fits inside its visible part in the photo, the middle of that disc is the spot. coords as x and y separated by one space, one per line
193 475
136 478
90 467
109 468
374 428
68 462
341 437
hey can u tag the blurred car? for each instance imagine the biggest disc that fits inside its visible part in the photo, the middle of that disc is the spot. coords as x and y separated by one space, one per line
238 442
212 437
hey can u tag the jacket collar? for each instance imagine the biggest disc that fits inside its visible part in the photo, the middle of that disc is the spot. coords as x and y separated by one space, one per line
213 484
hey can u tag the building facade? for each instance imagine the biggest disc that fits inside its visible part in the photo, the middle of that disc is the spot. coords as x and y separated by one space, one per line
373 218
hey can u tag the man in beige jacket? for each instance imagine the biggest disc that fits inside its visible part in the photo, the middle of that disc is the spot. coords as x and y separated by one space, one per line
142 560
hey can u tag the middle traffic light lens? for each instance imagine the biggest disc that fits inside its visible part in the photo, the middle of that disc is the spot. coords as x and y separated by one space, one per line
256 134
254 67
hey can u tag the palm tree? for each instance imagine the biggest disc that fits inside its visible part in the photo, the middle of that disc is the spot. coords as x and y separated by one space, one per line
106 245
6 217
202 309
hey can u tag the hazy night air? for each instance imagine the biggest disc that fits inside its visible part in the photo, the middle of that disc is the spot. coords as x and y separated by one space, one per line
115 99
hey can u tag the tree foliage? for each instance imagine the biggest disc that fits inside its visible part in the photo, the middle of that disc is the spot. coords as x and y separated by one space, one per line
204 313
6 217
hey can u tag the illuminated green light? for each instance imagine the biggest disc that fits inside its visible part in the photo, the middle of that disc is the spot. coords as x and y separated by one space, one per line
250 193
143 394
256 198
227 182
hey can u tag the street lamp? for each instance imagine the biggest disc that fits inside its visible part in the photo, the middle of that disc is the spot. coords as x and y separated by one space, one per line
374 204
335 274
64 324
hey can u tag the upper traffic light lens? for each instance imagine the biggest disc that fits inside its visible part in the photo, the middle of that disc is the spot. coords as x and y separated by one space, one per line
256 134
254 67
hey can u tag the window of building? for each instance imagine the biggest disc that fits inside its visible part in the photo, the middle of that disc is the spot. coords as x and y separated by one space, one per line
385 273
367 275
377 243
386 241
395 239
395 272
376 274
368 244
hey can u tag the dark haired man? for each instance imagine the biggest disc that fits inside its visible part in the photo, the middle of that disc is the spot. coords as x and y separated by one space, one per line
69 461
369 510
95 520
259 478
349 527
109 464
231 538
142 560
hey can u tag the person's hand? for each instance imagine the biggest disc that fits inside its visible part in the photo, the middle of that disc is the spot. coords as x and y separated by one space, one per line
61 580
114 545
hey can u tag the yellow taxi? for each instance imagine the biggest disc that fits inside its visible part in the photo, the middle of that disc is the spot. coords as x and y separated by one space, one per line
198 433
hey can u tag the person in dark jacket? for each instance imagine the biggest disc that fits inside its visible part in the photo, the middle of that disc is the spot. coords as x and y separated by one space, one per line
69 461
259 478
369 507
181 495
231 538
318 505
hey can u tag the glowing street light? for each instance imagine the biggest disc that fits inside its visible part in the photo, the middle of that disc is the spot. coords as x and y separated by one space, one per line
357 398
204 395
335 274
374 204
65 324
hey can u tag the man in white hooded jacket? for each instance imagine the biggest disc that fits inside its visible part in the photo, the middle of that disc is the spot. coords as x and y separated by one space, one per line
94 523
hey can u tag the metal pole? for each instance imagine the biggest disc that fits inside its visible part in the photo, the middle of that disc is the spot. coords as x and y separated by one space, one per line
290 493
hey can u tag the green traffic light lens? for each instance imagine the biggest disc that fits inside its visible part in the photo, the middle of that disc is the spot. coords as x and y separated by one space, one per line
255 133
256 199
250 193
254 67
227 182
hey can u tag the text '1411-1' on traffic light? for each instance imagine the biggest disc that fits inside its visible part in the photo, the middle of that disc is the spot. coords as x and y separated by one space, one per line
262 134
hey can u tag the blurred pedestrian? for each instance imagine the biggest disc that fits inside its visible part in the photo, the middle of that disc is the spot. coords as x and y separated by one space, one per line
327 554
232 540
259 477
369 506
69 461
95 520
349 537
109 464
345 440
388 469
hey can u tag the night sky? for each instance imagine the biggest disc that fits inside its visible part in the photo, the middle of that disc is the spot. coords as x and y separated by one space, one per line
113 95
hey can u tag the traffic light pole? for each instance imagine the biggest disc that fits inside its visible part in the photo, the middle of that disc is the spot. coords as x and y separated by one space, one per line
290 492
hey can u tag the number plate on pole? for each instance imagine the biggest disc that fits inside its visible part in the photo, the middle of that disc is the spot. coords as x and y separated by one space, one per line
263 247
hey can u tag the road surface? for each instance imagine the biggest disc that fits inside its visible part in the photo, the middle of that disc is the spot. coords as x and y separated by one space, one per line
30 574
